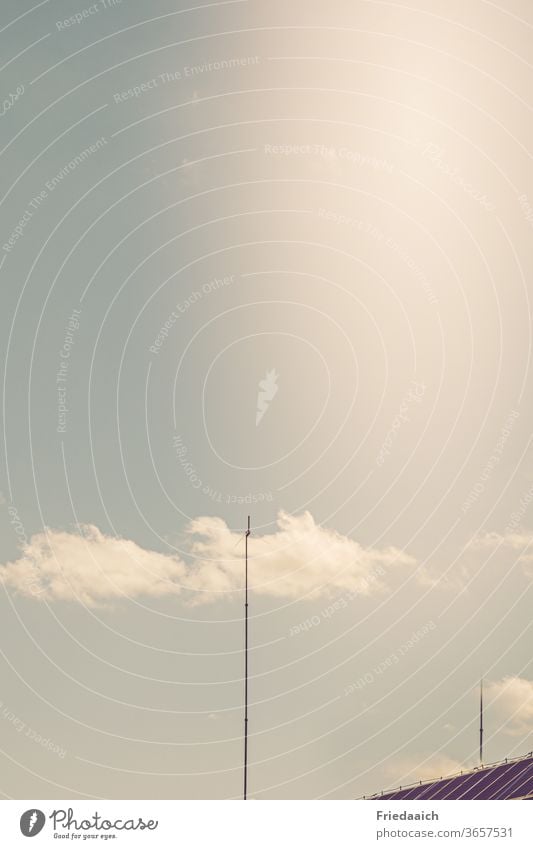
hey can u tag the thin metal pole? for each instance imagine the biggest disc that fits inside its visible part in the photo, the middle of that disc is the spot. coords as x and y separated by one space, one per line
246 662
481 722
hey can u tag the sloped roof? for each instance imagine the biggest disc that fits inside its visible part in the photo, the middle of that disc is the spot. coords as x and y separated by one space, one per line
509 779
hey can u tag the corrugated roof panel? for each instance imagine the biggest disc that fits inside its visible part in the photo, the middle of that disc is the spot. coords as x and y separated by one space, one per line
507 780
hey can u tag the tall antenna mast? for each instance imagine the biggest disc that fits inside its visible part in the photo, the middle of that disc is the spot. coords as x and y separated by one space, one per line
481 722
246 660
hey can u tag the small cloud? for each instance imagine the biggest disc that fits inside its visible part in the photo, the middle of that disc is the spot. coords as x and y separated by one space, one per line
520 541
423 768
516 540
513 704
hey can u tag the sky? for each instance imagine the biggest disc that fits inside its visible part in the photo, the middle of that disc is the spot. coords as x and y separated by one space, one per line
274 260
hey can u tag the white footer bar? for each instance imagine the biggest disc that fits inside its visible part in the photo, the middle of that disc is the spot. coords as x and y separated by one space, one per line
267 825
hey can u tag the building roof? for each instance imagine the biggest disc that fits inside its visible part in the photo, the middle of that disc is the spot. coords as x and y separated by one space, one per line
509 779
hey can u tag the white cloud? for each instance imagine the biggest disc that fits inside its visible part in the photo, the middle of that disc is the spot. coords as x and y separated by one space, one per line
518 541
423 768
512 539
513 703
299 559
90 567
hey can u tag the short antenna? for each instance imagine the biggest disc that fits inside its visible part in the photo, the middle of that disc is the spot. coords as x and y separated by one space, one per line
246 661
481 722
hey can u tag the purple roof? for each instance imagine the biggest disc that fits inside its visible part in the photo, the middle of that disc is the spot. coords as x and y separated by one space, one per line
511 779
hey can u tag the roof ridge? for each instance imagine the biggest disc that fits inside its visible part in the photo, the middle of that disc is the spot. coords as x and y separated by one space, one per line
469 771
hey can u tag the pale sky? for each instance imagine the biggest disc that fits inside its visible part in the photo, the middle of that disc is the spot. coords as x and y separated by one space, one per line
269 259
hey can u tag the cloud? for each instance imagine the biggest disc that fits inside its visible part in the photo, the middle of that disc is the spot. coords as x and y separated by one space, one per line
511 539
519 541
423 768
513 703
90 567
300 559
